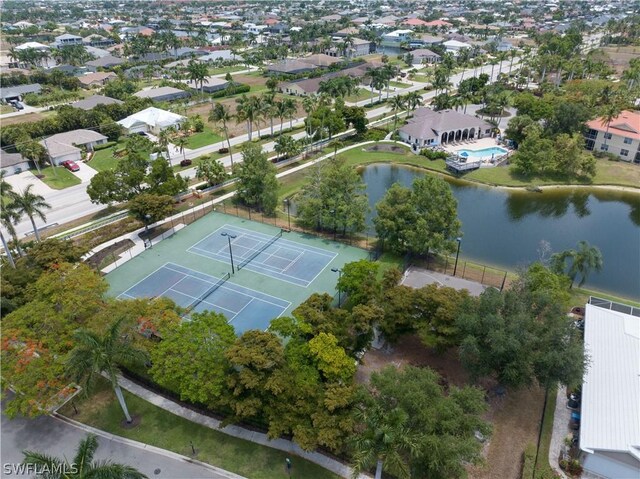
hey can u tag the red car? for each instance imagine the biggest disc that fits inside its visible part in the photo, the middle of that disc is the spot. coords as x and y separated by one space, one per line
70 165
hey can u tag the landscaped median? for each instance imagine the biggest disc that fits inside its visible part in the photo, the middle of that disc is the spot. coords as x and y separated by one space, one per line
163 429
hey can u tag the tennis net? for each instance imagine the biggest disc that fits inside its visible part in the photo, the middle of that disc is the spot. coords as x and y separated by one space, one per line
251 257
209 292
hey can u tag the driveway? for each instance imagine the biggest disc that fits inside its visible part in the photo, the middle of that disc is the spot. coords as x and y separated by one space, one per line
26 178
85 173
52 436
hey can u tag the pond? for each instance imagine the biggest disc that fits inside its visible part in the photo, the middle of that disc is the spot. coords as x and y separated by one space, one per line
506 228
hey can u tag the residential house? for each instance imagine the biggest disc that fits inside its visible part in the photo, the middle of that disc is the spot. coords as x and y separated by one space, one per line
610 404
32 46
152 120
66 146
346 32
290 67
438 24
97 52
430 128
387 21
396 37
13 163
95 100
331 18
16 93
163 93
320 60
425 40
66 40
423 55
98 41
96 79
210 84
454 46
104 62
311 86
620 137
414 22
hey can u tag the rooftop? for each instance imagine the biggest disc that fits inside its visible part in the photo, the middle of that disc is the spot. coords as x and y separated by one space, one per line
95 100
626 124
610 418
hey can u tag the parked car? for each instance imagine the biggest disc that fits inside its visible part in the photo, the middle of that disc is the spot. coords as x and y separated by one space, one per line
18 106
70 165
185 163
223 150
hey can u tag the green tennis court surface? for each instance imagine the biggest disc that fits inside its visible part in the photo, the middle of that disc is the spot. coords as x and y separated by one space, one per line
274 271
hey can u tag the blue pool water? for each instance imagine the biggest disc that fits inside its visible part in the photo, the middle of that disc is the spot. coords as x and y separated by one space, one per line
494 150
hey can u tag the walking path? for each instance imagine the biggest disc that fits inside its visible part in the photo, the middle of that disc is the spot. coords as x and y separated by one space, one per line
561 418
256 437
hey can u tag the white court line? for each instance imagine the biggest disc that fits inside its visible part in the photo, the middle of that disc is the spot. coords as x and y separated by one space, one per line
240 292
177 282
243 308
159 268
209 255
204 301
293 262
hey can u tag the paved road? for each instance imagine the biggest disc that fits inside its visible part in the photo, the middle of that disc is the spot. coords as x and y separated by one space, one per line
54 437
72 203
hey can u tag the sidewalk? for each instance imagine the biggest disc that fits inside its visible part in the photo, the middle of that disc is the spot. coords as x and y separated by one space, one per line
256 437
561 418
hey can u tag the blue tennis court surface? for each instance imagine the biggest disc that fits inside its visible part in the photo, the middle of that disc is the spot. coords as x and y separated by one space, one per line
282 259
244 308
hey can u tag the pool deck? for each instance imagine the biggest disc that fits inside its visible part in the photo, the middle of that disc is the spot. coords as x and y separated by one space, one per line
480 144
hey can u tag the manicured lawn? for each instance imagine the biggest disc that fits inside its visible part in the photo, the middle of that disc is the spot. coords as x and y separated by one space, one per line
204 138
6 109
163 429
421 78
60 178
103 160
543 469
397 84
363 94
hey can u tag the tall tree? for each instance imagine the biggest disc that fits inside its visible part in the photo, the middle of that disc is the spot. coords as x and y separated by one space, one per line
103 354
32 205
581 261
82 466
418 220
257 183
190 359
220 114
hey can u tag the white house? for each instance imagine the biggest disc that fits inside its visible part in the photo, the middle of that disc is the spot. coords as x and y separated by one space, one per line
454 46
610 410
66 40
13 163
395 38
152 120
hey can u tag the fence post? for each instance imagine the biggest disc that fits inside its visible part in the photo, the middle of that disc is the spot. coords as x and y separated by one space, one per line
503 281
483 271
464 268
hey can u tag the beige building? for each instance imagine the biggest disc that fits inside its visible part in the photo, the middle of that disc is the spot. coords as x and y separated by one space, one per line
621 137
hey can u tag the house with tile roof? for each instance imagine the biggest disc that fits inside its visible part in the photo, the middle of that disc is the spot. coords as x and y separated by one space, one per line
67 146
620 137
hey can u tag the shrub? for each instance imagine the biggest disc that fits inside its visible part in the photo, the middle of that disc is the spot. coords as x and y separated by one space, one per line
104 146
374 134
231 90
433 155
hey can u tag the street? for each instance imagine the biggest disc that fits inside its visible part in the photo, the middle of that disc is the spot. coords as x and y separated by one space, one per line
73 202
54 437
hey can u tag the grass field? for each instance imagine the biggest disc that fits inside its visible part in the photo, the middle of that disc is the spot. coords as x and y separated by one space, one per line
397 84
60 178
363 94
421 78
234 68
162 429
6 109
103 160
204 138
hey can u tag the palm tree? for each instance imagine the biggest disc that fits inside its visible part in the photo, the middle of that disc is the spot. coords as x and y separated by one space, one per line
610 113
582 261
384 441
248 109
7 217
290 108
198 73
181 142
397 104
220 114
82 466
101 354
31 205
413 100
269 108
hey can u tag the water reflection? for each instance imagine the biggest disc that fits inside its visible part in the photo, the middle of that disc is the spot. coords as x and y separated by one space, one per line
547 204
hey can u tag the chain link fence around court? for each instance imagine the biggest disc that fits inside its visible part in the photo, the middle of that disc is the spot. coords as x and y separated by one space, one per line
469 270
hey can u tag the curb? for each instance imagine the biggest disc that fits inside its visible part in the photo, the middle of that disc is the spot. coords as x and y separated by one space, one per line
146 447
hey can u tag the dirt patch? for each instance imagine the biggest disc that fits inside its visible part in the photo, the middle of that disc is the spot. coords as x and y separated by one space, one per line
251 80
26 118
113 250
619 57
387 148
515 415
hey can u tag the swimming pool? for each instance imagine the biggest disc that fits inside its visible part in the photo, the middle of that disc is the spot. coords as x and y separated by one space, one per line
492 151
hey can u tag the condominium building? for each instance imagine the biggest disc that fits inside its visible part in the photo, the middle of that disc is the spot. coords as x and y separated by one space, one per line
620 137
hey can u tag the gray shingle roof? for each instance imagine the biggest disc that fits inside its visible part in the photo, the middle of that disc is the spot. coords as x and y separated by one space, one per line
10 159
428 124
95 100
18 90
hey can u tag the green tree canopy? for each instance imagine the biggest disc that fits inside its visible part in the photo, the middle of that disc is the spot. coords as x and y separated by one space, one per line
150 208
191 358
257 183
418 221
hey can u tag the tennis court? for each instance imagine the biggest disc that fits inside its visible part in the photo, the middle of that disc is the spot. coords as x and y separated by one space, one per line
269 255
244 308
